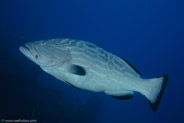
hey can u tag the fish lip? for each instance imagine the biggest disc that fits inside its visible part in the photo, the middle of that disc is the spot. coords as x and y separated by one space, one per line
26 50
28 46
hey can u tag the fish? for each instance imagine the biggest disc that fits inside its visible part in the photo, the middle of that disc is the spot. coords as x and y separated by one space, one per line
84 65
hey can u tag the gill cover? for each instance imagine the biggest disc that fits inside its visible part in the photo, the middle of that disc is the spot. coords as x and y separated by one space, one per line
51 56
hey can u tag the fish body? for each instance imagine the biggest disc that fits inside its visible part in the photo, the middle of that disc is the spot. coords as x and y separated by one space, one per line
87 66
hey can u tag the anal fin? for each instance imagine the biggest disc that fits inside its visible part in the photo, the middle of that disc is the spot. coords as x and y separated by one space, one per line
125 95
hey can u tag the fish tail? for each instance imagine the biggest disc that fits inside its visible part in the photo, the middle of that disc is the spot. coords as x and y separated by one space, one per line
154 90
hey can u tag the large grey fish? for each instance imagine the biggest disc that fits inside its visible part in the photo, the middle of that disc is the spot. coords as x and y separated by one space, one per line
86 66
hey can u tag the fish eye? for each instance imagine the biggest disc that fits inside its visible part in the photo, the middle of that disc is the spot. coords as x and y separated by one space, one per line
42 42
36 56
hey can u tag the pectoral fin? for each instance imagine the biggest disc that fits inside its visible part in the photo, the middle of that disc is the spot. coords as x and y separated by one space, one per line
77 69
71 85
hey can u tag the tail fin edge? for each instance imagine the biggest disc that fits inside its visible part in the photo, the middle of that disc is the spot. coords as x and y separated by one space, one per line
154 105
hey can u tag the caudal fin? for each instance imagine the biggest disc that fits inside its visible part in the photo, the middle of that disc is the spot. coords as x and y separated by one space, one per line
155 91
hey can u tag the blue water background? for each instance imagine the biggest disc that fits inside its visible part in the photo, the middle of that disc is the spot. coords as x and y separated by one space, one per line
148 33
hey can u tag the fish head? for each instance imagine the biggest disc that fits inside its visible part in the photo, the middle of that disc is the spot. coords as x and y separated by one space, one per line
46 53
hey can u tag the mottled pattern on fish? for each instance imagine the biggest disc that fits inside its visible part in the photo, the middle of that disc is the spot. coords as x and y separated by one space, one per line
102 67
87 66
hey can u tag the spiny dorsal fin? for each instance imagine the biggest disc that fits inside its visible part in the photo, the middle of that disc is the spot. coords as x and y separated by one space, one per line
132 66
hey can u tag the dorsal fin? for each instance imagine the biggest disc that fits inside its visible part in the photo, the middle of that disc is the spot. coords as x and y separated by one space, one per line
132 66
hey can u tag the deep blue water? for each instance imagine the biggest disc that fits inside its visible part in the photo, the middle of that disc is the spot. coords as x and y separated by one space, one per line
148 33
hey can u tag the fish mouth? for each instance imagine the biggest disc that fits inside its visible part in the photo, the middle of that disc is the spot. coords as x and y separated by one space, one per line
26 50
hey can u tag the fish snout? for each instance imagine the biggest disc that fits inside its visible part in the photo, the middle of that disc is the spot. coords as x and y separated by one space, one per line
28 51
24 50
